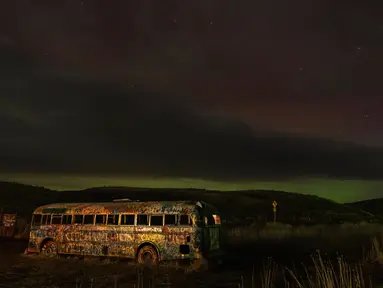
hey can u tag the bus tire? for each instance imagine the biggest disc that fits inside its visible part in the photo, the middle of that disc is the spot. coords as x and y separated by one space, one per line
147 255
49 249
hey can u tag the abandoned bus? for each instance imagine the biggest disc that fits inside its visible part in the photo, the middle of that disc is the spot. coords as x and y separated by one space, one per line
146 231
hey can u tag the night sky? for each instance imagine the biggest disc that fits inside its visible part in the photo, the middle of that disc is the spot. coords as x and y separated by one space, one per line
236 93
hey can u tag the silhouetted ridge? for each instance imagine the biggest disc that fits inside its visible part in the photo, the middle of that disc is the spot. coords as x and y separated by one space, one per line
236 207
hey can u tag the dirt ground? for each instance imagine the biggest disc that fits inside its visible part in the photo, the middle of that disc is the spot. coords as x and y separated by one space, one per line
18 270
22 271
10 253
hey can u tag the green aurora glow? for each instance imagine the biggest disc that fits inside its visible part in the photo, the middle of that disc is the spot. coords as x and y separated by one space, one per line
336 190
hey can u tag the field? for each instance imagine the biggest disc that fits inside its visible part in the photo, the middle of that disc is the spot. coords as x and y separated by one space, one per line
307 242
249 262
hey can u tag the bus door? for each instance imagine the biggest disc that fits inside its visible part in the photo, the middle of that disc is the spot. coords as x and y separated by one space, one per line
211 233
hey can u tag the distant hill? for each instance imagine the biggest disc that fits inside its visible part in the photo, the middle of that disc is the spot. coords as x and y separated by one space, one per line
20 198
373 206
237 207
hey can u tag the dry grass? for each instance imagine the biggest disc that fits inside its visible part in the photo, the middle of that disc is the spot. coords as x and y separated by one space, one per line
268 274
375 253
320 273
324 273
328 275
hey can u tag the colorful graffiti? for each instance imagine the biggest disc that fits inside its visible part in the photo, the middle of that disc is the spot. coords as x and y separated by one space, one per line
7 224
152 207
9 220
125 240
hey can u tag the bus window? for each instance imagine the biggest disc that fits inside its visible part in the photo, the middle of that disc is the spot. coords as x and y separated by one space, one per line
184 220
112 219
170 219
89 219
36 220
127 219
46 219
67 219
142 219
56 219
101 219
77 219
217 219
156 220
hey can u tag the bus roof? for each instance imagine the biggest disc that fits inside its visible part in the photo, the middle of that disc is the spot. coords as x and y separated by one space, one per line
142 207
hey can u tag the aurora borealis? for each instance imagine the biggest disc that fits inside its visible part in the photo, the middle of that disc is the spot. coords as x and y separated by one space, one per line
264 94
342 191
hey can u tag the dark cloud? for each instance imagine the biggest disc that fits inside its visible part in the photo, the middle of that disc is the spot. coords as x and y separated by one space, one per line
56 123
274 64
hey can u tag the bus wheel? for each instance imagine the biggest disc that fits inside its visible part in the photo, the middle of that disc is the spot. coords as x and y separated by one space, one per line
49 249
147 255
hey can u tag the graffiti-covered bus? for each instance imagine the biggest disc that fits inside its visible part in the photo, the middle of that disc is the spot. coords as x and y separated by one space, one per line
147 231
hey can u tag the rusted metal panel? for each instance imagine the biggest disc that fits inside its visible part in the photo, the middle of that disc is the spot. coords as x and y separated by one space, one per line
124 240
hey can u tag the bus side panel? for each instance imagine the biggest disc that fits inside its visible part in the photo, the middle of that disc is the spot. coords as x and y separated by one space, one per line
150 234
38 234
127 241
84 240
174 238
98 240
